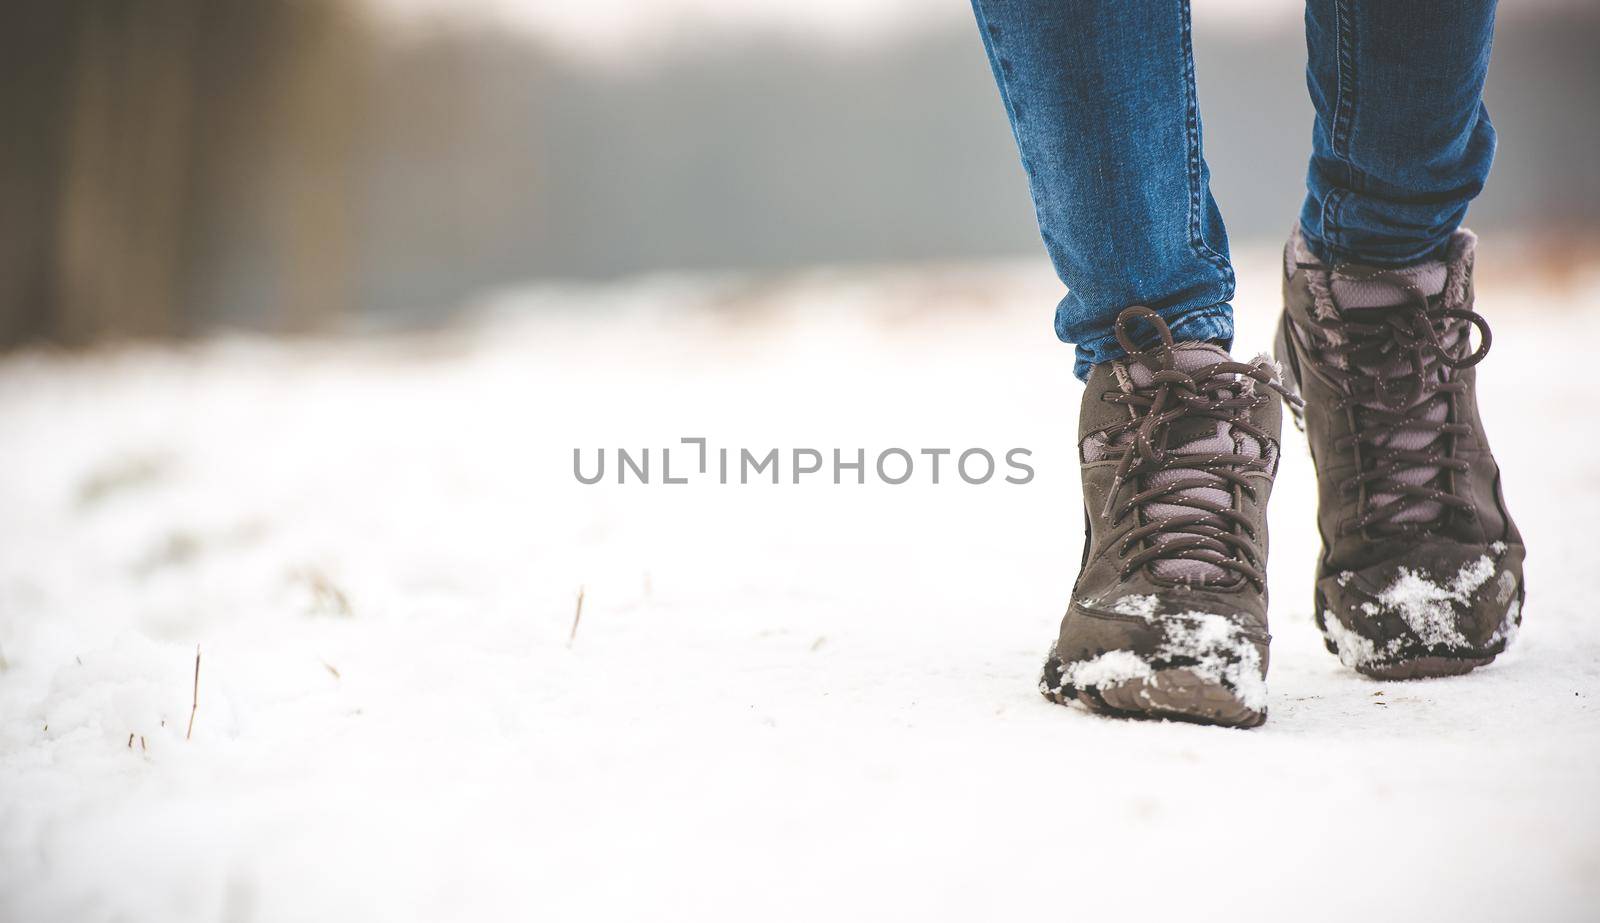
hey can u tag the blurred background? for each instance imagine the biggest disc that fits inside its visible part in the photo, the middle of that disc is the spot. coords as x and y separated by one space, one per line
174 166
386 265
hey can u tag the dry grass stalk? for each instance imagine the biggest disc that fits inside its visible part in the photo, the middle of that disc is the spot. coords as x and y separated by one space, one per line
195 705
577 617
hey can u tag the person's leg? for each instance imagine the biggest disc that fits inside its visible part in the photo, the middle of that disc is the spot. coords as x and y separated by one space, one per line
1402 141
1101 98
1421 568
1178 443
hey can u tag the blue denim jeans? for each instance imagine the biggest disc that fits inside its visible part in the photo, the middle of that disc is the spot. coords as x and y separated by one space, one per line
1101 97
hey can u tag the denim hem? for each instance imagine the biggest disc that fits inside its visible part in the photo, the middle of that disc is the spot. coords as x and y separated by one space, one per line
1390 179
1213 323
1335 255
1194 161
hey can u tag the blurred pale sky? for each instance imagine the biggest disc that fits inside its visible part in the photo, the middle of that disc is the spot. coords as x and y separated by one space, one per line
626 27
630 26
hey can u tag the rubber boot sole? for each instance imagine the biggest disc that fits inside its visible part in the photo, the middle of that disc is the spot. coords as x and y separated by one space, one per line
1425 668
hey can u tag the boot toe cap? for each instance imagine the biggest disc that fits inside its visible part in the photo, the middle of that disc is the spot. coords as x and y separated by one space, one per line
1436 611
1191 665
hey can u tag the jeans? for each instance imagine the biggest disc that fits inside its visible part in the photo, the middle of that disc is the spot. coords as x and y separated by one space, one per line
1101 98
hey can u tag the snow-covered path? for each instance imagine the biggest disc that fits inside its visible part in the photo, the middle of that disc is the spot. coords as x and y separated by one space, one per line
781 702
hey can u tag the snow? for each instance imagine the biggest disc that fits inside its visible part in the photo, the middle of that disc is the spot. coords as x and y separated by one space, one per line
1510 626
1143 606
1426 605
1108 669
1355 650
780 702
1221 651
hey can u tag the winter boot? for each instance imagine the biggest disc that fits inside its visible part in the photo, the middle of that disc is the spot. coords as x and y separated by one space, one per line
1421 568
1178 447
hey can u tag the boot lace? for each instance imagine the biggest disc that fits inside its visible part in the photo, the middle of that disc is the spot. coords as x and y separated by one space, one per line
1226 390
1393 367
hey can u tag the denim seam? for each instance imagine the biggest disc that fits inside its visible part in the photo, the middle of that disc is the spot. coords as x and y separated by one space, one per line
1344 105
1197 242
1332 229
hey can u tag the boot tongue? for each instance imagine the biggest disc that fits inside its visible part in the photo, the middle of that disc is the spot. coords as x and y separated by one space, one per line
1360 291
1358 288
1186 357
1192 436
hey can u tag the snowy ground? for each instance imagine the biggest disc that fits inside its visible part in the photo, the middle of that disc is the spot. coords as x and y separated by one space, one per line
790 702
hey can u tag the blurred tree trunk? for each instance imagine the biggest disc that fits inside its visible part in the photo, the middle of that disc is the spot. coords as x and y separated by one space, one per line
318 112
35 69
131 125
126 167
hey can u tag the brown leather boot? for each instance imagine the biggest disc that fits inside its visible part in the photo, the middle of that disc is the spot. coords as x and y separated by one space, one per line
1421 568
1179 446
